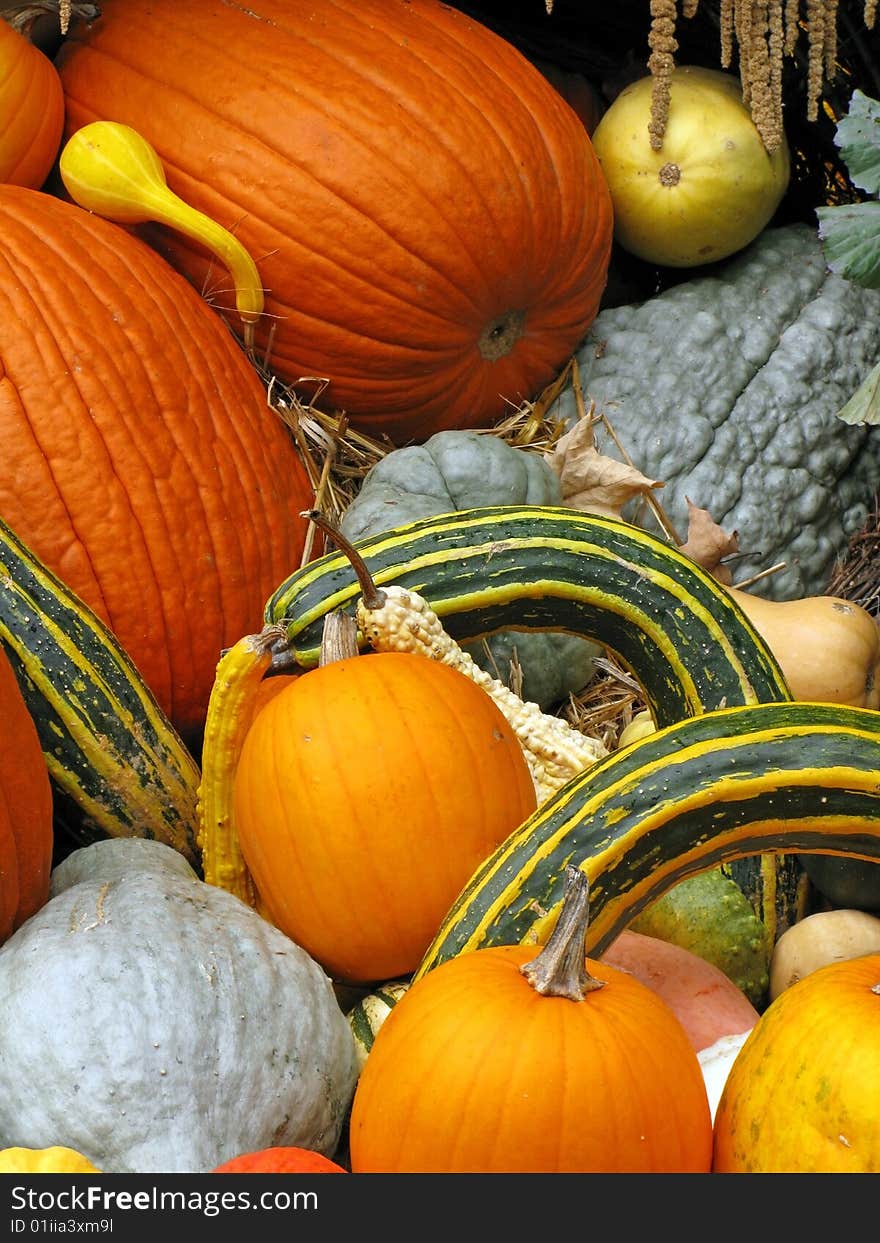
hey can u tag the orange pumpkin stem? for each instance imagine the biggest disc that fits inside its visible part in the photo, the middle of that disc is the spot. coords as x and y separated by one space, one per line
560 969
374 597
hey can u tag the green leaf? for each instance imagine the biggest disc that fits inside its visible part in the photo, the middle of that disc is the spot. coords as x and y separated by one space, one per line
864 405
850 233
850 237
858 139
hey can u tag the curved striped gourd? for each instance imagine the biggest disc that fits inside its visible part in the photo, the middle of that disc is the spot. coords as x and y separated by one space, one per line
118 767
730 783
551 568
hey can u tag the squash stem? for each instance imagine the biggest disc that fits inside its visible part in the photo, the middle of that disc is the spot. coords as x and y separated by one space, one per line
560 969
374 597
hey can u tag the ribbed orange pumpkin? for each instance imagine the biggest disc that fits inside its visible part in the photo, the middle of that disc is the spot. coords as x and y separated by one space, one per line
366 795
25 809
280 1161
432 227
31 110
803 1095
140 461
478 1070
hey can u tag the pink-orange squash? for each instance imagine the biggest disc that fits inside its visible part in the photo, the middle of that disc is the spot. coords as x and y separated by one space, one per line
280 1161
429 219
706 1002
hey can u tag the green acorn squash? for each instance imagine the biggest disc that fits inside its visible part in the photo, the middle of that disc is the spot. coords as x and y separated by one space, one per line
726 388
709 915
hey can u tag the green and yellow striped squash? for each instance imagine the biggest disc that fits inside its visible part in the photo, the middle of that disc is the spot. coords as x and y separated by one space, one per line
118 767
533 567
670 622
729 784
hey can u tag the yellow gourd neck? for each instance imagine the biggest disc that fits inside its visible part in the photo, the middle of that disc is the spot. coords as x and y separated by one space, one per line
111 170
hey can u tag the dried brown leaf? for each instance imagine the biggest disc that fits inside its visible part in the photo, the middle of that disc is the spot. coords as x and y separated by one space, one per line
707 543
590 481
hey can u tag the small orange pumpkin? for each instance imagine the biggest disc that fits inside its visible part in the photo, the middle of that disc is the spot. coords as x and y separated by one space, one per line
25 809
31 108
500 1062
801 1096
280 1161
366 794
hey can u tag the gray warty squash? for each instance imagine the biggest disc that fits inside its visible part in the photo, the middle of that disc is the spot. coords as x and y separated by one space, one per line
157 1024
726 387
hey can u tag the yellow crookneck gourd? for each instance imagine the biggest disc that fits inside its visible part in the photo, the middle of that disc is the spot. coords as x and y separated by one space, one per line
111 170
231 710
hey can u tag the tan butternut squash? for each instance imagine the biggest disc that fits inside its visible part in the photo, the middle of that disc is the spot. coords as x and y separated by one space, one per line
822 938
828 647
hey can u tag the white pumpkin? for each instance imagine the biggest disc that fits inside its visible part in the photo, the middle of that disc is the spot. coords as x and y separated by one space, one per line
157 1024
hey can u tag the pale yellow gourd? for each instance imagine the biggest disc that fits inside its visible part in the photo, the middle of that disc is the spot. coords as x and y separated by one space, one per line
640 726
822 938
708 189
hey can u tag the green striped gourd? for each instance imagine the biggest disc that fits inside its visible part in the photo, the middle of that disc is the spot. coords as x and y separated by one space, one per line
683 636
735 781
553 568
118 768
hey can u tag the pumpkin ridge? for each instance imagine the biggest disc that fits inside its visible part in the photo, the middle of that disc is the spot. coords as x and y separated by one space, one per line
168 468
437 133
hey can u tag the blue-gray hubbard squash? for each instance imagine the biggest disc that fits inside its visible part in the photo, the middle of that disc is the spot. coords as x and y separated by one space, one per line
157 1024
726 388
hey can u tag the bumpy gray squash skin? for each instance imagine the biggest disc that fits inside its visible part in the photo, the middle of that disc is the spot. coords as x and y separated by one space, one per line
458 470
726 388
157 1024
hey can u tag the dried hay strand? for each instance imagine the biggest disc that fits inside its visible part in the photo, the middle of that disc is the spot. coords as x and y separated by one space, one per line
337 457
856 576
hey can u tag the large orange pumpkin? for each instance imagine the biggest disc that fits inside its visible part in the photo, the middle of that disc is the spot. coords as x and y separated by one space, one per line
366 794
580 1068
431 223
31 110
803 1095
141 461
25 809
